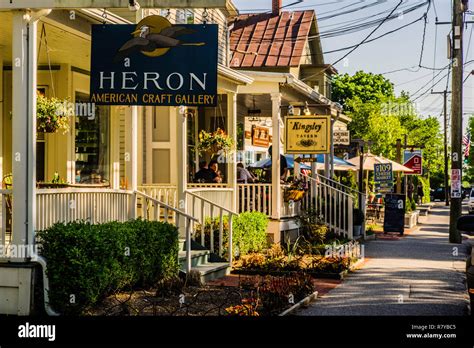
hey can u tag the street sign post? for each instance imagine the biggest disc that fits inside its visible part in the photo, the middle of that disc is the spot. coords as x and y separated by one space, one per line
383 177
413 159
456 186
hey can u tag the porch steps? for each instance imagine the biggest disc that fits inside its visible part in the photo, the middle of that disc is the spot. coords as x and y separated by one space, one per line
200 261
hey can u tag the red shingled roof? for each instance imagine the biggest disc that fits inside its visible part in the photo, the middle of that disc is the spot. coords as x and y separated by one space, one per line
266 40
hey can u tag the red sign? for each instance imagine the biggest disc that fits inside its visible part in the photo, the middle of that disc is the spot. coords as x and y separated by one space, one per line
413 160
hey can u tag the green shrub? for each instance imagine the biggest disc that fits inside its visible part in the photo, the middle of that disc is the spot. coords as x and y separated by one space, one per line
86 263
249 233
425 182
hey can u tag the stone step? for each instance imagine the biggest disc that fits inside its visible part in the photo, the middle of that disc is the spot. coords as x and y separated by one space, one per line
198 258
212 271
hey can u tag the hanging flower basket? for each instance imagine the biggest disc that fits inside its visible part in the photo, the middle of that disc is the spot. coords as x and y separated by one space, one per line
214 142
293 195
50 115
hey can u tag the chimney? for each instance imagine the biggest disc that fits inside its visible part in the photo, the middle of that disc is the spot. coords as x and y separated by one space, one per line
276 7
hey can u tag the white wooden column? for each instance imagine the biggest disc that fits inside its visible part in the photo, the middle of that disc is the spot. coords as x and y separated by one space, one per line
276 133
115 146
232 158
134 129
182 154
24 127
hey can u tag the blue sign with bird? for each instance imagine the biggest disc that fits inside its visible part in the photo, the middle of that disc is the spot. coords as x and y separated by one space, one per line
154 63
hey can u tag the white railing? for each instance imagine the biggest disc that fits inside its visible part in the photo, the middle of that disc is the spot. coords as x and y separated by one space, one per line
164 193
207 185
5 216
255 197
331 202
155 210
204 209
93 205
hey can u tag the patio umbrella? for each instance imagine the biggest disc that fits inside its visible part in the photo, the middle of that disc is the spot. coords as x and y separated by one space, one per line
339 163
267 163
371 159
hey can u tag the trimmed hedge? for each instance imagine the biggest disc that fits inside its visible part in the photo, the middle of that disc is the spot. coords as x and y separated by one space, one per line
86 263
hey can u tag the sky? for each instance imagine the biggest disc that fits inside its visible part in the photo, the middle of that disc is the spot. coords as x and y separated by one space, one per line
395 51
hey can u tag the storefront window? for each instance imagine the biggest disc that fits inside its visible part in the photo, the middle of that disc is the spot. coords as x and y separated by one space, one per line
92 145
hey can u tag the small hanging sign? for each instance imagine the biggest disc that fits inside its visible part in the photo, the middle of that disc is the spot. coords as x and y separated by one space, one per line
307 134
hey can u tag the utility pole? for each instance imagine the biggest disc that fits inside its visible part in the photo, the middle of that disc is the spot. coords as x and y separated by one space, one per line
456 115
446 173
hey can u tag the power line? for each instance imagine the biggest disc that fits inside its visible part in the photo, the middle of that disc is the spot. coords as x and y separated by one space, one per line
250 36
376 38
435 43
424 33
368 36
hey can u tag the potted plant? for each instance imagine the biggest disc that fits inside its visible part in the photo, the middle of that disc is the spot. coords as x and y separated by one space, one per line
358 221
50 117
213 142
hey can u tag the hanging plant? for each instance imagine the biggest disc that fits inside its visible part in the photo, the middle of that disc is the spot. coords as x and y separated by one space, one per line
50 115
214 142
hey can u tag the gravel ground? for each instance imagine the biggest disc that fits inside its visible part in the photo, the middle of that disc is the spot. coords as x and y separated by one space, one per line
416 275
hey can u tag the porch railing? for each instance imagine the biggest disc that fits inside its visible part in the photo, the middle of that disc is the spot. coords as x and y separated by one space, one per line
94 205
255 197
331 202
207 185
149 208
164 193
5 216
202 209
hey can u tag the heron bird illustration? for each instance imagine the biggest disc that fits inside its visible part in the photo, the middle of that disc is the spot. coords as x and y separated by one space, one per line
147 41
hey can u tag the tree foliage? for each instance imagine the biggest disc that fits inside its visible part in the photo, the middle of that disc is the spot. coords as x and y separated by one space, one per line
378 115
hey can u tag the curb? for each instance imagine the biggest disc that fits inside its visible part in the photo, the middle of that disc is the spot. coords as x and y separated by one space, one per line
304 302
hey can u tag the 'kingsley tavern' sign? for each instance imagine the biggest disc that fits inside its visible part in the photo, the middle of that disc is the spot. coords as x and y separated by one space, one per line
307 134
154 63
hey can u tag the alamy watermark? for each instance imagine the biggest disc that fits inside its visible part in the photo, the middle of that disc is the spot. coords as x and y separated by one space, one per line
351 250
20 251
81 109
399 109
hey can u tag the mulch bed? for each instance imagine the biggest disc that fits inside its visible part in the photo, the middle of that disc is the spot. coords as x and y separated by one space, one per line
206 300
322 286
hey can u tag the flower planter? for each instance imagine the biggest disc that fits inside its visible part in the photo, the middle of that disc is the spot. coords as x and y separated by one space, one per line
357 229
411 219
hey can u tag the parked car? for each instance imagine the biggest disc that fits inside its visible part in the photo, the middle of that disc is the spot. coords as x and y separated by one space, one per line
471 202
466 192
465 224
438 194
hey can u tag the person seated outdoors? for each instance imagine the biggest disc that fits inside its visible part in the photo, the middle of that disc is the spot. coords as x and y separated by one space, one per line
215 172
203 175
243 174
283 168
